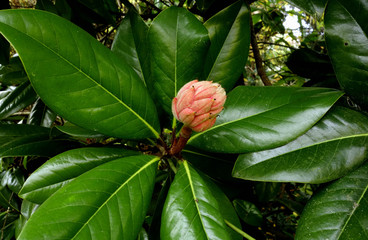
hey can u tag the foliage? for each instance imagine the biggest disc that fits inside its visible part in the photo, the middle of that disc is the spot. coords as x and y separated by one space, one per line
87 129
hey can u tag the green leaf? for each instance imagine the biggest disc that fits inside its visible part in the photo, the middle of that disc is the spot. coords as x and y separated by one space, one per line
178 44
229 32
76 131
18 99
30 140
13 73
130 43
346 40
191 211
64 167
257 118
79 78
334 146
313 7
107 202
248 212
339 211
14 179
41 115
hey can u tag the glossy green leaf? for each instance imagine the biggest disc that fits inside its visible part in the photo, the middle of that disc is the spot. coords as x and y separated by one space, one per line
313 7
257 118
77 131
191 211
41 115
107 202
18 99
79 78
248 212
178 44
64 167
229 32
13 73
130 43
347 40
334 146
339 211
28 140
14 179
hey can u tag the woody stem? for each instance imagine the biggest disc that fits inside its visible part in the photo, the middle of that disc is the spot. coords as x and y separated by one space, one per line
183 139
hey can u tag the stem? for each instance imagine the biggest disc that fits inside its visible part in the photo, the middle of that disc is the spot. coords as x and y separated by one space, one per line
257 56
239 230
183 139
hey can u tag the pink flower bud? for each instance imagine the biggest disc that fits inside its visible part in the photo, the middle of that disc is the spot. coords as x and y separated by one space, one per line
198 103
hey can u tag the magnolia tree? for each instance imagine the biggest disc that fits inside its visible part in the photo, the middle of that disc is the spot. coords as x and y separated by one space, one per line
160 141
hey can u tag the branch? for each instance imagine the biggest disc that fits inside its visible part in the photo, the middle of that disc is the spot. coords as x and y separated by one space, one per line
257 56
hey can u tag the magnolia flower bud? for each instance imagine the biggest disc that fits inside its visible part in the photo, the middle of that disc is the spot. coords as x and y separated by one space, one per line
198 103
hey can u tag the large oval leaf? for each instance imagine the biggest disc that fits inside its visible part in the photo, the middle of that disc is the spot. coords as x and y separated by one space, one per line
107 202
339 211
257 118
191 211
178 43
79 78
229 32
331 148
347 42
64 167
